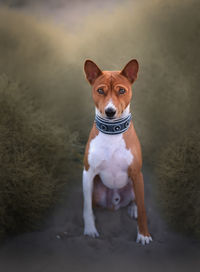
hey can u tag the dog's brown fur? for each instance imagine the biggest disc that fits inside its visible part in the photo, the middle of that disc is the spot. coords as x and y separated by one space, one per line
110 82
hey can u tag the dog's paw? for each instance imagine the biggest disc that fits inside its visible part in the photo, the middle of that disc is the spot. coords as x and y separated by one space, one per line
132 210
91 231
144 240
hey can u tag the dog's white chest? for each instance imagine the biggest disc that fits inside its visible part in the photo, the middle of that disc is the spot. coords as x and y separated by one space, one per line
110 159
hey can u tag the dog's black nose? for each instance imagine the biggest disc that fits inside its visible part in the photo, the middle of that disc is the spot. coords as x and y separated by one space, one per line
110 112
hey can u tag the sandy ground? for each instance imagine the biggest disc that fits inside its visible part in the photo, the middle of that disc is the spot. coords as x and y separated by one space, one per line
61 246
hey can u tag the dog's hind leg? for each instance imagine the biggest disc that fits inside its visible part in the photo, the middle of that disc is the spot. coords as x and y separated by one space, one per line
104 196
132 210
99 193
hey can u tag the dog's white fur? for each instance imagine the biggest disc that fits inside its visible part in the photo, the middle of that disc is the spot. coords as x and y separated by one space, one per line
109 158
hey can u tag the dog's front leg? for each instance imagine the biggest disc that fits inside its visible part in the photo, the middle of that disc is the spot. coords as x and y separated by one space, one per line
89 224
143 235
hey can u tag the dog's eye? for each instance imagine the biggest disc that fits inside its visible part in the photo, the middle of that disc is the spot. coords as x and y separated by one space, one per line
100 91
122 91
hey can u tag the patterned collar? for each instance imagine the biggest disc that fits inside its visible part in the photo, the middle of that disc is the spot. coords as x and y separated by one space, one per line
113 127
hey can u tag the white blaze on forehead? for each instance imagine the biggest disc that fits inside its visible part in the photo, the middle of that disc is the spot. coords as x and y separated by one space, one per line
110 105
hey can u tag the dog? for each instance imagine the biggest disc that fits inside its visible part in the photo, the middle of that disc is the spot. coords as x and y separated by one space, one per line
112 176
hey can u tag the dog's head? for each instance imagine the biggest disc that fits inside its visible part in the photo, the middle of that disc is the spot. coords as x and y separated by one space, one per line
111 90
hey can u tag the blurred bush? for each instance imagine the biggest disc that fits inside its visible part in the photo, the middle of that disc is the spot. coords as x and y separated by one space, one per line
36 159
162 35
178 169
47 60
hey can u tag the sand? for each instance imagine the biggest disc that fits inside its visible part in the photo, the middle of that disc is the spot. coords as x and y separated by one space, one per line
61 245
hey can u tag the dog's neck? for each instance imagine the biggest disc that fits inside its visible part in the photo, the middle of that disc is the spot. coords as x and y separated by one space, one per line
113 126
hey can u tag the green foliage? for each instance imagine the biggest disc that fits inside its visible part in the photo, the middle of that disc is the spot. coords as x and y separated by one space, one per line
36 158
178 169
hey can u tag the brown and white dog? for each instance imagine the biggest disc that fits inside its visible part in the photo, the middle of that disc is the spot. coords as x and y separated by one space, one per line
112 176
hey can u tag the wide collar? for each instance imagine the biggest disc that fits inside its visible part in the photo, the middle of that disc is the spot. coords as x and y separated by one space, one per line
113 127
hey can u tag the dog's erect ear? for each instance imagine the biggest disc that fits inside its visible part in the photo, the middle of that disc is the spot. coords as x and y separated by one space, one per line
130 70
92 71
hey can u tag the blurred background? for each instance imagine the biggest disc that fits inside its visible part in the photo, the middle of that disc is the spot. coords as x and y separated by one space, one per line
46 109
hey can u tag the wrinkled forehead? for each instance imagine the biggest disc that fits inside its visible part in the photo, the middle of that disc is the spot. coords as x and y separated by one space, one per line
111 79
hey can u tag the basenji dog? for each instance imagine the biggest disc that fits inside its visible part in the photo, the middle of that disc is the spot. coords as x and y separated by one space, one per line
112 176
